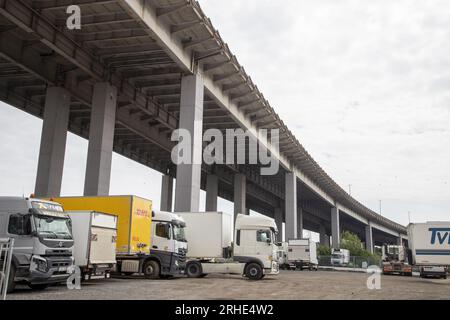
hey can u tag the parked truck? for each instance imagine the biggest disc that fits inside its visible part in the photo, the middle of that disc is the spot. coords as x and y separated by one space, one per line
95 235
302 254
43 242
253 253
395 260
340 257
430 248
148 242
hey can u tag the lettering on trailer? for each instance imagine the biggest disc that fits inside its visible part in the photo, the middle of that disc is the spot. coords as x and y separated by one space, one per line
441 235
142 213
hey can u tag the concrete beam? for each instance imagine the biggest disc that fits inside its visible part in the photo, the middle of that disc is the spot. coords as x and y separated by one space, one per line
212 192
300 223
335 228
53 143
352 214
187 192
101 140
240 184
166 193
369 238
291 205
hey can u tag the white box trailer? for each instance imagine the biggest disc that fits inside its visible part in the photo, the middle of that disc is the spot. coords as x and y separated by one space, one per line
95 235
210 249
208 234
430 247
302 254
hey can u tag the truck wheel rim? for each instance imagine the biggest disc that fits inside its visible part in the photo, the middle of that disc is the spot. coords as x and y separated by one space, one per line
253 272
149 269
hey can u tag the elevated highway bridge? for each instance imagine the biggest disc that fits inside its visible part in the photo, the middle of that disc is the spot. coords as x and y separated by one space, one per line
136 71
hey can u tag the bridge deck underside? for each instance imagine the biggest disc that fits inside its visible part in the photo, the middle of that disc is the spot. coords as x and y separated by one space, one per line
37 51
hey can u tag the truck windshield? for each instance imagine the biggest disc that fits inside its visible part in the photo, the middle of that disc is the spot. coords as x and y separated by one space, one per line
336 256
52 227
178 233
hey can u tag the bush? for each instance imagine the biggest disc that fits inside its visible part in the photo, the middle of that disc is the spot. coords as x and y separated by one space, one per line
323 250
351 242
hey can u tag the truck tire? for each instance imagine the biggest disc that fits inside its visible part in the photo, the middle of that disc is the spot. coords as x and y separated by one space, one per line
253 271
151 269
194 270
38 287
11 283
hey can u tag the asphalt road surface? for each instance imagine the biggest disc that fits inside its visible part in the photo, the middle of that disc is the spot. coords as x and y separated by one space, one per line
287 285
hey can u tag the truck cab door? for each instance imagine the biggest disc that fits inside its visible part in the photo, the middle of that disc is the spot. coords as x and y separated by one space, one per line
19 227
162 237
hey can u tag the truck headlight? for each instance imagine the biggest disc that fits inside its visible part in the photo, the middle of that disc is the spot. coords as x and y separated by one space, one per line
40 264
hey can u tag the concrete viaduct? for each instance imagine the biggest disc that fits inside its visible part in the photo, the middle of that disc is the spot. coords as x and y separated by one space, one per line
137 70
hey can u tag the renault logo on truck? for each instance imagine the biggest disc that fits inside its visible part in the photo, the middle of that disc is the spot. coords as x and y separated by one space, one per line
441 235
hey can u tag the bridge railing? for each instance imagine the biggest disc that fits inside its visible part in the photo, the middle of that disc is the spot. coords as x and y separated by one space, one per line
6 252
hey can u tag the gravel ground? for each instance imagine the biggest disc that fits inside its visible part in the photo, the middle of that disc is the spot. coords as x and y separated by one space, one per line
287 285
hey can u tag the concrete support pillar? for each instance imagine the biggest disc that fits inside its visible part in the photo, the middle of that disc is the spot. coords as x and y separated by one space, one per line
291 206
324 237
335 228
53 143
101 140
240 184
278 215
187 191
369 238
166 193
212 192
399 240
299 223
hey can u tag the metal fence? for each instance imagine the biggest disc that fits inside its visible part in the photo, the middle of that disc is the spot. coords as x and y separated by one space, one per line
354 262
6 251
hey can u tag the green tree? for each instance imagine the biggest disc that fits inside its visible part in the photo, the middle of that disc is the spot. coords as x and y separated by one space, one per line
351 242
323 250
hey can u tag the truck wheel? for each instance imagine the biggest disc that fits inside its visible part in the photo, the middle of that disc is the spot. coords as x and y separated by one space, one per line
194 270
11 283
254 271
151 269
40 286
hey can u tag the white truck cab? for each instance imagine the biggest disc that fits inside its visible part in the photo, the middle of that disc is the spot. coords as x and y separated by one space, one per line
43 241
340 257
169 240
253 253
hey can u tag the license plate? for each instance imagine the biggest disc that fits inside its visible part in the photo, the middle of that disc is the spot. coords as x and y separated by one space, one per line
62 269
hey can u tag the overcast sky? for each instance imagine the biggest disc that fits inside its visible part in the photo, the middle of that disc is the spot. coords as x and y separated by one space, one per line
364 85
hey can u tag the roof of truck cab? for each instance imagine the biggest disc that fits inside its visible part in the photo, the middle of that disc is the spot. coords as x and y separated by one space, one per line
166 216
254 222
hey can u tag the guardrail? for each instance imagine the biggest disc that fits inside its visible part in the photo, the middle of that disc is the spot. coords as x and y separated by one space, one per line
6 251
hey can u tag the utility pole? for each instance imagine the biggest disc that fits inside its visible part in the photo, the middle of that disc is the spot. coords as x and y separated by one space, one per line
380 207
350 189
409 216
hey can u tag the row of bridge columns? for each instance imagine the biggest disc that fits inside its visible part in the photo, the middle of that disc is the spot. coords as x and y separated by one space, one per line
188 176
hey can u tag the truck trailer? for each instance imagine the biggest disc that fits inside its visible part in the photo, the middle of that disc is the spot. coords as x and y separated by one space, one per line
302 254
95 235
253 253
395 260
43 242
148 242
430 248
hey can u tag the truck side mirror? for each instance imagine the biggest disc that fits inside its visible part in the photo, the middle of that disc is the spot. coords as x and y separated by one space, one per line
268 241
